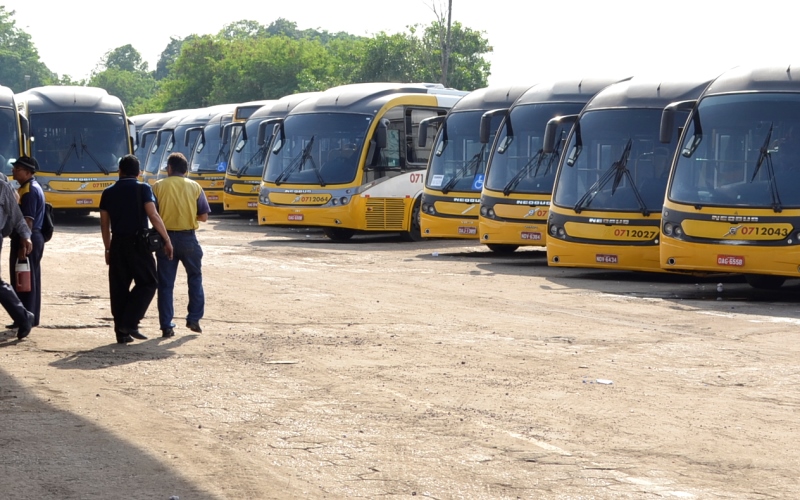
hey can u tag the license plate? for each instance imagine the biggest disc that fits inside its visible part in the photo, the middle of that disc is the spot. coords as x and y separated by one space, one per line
295 216
730 260
602 258
252 204
531 236
467 230
212 197
84 202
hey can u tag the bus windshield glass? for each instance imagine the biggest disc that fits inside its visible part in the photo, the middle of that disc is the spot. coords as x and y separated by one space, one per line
9 146
621 165
317 149
741 150
458 160
247 157
517 163
85 143
156 152
214 155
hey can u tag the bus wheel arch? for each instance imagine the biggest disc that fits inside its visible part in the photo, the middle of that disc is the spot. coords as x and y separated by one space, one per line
414 232
765 281
502 249
338 234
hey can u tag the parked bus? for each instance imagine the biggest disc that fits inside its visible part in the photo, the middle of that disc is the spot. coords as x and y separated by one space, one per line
610 183
349 159
732 204
515 198
77 135
13 130
146 129
151 159
456 169
251 141
209 158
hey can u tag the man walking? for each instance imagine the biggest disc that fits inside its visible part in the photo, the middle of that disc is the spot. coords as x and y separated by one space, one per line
125 208
31 202
182 203
11 215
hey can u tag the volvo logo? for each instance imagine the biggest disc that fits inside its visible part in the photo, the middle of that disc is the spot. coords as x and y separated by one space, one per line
732 231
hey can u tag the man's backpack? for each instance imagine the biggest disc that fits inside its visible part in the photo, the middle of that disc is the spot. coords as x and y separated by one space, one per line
49 223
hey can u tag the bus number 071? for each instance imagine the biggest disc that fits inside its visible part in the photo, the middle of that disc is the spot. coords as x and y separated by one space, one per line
416 178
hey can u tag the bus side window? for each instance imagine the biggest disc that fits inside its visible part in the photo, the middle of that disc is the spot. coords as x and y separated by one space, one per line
416 154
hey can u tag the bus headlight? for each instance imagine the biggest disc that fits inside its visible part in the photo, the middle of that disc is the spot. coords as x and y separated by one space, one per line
668 228
553 230
678 231
264 200
484 211
491 213
344 200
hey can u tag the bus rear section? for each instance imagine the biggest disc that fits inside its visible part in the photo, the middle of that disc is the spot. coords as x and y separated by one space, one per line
515 199
732 205
251 143
611 181
77 135
457 165
349 160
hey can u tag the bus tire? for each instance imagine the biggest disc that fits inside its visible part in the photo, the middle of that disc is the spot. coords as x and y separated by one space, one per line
338 233
415 231
764 281
502 248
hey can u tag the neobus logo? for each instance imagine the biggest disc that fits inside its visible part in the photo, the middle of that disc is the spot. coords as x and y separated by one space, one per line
297 191
538 203
609 221
467 200
733 218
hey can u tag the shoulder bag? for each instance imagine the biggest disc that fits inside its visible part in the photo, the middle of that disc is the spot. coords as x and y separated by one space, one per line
147 239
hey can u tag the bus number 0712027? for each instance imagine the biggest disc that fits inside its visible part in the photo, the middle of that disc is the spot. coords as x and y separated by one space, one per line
635 233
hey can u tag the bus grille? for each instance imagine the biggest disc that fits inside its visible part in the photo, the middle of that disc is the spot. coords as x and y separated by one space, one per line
385 214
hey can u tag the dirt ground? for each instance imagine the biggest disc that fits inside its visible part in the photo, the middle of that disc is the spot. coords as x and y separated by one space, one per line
385 369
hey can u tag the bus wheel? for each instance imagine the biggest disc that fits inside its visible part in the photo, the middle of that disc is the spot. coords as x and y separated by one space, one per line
415 233
764 281
338 233
502 248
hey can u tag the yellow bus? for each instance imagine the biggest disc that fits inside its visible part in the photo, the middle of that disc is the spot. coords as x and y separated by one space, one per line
349 159
249 154
77 135
209 158
515 198
457 166
13 130
610 183
234 134
732 203
151 158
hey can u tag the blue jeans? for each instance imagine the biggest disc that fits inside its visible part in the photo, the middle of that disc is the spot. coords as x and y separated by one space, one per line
187 251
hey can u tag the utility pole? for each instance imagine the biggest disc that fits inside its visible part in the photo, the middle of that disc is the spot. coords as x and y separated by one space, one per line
446 51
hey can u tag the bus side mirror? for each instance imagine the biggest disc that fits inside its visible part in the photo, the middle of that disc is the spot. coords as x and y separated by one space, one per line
485 130
668 118
201 141
381 134
424 125
551 131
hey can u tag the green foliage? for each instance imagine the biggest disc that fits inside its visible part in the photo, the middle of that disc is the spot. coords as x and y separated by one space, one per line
19 57
124 58
133 88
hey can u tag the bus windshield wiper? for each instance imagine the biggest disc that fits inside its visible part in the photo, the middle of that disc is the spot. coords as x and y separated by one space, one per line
538 157
72 147
86 149
258 156
765 155
618 170
474 161
297 162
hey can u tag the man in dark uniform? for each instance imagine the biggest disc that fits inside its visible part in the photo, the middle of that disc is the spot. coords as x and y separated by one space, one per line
11 216
125 208
31 202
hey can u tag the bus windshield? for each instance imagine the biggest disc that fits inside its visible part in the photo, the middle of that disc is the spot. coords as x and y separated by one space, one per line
79 142
317 149
458 161
214 155
517 163
620 164
156 152
248 157
741 150
9 146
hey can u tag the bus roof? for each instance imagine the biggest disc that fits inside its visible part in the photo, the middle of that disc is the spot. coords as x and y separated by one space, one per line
245 109
369 97
201 115
56 98
646 93
575 90
140 120
7 98
489 98
757 79
282 106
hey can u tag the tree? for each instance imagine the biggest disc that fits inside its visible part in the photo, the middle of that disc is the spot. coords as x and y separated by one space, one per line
132 87
243 29
169 55
191 77
19 57
467 67
124 58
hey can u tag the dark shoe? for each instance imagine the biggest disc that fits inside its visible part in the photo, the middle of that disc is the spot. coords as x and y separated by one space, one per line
124 339
194 326
25 329
132 332
167 333
12 326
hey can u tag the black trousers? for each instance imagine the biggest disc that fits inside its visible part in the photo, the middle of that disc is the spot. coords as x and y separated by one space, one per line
128 264
31 300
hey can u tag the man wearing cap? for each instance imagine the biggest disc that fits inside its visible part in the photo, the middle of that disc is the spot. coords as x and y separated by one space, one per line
31 202
11 215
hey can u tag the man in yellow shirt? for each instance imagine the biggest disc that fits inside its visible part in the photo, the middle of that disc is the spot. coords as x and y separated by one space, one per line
181 204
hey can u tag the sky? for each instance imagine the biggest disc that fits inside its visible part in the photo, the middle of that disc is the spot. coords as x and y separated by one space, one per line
533 41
